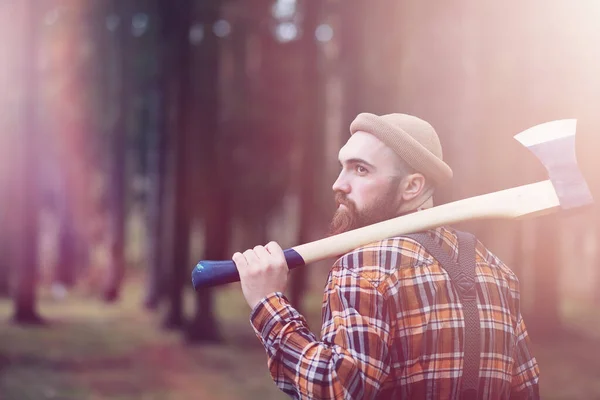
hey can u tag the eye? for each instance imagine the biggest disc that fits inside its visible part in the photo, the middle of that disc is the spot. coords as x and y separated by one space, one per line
361 170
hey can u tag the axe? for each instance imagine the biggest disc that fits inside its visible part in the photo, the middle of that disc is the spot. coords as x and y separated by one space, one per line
553 143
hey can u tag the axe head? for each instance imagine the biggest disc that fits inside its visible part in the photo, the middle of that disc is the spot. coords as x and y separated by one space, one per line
553 143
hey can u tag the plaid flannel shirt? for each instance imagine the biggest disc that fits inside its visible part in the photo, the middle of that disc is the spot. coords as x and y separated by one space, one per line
393 328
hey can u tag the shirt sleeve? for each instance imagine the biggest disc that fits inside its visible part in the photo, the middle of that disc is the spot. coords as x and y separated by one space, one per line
351 361
525 376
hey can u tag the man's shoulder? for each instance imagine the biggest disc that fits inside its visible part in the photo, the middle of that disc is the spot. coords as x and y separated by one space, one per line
378 260
405 251
382 257
492 263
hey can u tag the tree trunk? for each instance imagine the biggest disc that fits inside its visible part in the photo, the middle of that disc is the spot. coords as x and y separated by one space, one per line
177 18
5 238
155 216
586 147
311 143
118 151
5 254
352 62
204 326
217 211
26 229
545 317
6 190
596 252
116 270
157 154
67 244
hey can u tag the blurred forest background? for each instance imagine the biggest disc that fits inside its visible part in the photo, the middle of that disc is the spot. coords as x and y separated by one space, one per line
140 136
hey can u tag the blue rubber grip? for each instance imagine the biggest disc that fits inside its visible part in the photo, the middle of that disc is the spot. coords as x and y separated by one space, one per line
208 273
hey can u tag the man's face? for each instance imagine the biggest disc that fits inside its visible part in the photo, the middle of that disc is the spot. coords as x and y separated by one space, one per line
368 189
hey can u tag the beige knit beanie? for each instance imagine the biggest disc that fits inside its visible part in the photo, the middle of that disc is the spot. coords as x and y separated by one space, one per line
412 138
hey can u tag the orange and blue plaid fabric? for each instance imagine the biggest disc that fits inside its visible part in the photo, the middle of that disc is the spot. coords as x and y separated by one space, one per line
393 329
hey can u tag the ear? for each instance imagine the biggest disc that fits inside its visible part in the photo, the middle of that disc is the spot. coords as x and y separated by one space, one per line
413 185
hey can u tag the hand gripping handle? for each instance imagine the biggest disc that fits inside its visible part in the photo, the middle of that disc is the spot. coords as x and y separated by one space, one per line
213 273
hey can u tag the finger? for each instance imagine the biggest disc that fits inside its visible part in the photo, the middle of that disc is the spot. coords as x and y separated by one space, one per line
251 258
274 248
262 254
240 261
276 251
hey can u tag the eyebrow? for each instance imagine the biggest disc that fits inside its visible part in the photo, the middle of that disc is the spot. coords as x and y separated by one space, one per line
358 161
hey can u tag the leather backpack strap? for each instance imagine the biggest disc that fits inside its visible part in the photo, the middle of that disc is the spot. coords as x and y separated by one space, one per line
463 278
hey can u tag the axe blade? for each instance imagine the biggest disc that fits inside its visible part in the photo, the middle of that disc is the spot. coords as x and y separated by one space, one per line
553 143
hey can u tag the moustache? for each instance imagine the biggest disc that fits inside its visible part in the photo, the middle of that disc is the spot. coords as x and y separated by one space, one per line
340 198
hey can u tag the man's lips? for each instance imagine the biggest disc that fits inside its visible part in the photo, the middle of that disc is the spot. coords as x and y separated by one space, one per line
343 201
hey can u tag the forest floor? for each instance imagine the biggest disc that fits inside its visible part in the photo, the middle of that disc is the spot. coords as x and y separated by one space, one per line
90 350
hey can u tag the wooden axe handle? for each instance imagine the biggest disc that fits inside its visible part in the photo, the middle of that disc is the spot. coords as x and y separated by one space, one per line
518 202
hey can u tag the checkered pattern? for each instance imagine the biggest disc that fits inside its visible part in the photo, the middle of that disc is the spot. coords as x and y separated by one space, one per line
393 328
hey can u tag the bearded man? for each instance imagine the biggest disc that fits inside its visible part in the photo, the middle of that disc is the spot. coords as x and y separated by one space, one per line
394 324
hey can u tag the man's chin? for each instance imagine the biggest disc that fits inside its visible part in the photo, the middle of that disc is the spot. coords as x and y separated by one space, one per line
343 221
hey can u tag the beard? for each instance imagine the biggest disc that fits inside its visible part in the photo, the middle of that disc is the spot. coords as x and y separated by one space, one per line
349 218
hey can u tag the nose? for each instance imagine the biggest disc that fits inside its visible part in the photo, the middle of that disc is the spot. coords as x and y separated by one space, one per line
341 184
